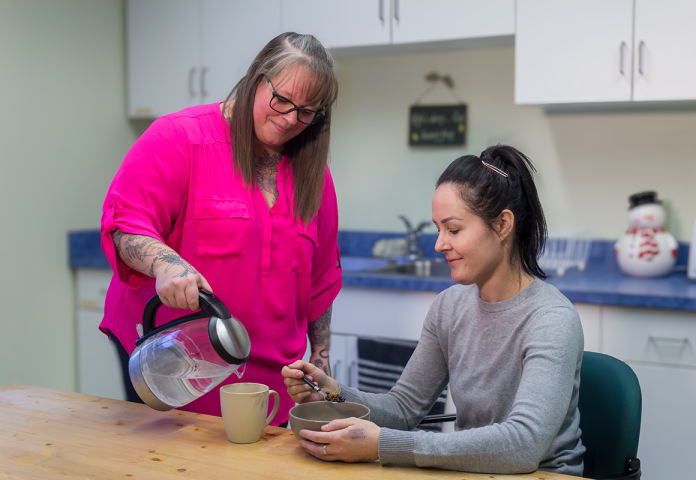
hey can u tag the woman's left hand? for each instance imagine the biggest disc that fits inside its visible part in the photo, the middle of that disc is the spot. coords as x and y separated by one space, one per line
348 439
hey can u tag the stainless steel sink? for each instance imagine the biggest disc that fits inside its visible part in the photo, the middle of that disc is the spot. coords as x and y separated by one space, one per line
420 268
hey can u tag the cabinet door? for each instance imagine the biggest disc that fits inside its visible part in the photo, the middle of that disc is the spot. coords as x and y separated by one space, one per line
98 365
419 21
665 61
668 422
571 52
163 53
233 32
591 318
338 23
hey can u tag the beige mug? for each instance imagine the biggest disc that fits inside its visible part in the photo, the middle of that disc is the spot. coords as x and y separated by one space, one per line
244 408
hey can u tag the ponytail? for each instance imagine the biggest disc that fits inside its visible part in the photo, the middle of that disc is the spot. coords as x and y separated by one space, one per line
501 178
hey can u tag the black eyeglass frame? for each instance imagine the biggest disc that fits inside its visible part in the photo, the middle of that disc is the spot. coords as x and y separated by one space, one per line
318 116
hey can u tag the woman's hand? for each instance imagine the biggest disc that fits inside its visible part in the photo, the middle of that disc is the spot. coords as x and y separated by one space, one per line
298 390
347 439
177 281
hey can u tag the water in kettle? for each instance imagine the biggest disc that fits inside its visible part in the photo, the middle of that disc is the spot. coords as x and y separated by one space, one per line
177 376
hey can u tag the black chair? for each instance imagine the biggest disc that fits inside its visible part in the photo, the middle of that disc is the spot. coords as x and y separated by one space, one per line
610 405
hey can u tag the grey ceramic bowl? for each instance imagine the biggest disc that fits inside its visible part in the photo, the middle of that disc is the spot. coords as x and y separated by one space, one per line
313 415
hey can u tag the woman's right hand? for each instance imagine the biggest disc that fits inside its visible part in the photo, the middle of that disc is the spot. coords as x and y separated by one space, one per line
298 390
177 283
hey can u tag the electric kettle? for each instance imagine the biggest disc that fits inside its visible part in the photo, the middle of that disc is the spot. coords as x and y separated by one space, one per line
176 363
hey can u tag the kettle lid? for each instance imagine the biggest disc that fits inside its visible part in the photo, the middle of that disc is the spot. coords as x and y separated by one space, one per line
229 339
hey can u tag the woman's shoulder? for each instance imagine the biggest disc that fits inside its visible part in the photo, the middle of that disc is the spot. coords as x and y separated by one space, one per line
549 307
197 124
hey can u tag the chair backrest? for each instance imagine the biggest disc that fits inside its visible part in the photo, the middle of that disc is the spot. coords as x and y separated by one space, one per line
610 406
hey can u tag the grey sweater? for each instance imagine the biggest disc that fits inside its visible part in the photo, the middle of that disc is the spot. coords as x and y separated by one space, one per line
513 369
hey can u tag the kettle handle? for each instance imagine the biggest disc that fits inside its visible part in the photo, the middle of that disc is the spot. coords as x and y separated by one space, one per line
210 306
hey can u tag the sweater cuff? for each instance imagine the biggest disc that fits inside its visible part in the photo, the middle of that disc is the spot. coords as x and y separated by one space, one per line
396 447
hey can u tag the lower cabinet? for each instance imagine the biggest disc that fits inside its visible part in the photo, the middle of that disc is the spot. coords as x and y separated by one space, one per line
98 365
667 442
660 347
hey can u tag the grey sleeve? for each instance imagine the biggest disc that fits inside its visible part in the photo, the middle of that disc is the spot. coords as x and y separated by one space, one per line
517 445
421 383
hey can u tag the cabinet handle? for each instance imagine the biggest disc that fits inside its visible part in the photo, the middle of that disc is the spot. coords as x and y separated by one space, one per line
641 48
396 10
381 10
192 72
204 93
622 58
653 338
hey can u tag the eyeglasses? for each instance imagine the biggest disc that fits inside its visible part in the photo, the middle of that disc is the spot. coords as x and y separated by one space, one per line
282 105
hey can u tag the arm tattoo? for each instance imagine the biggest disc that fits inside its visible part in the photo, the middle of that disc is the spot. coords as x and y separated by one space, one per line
266 172
319 333
141 252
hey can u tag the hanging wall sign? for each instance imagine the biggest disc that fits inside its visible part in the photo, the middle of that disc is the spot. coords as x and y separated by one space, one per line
437 125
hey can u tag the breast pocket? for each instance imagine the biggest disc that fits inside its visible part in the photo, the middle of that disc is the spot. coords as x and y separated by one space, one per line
222 228
305 241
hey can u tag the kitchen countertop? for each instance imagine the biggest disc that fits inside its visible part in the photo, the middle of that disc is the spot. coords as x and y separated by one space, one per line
600 283
47 434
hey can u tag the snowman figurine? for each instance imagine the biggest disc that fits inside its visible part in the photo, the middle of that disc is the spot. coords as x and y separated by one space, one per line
646 249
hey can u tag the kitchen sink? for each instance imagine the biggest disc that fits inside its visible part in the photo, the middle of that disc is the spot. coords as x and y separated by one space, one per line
420 268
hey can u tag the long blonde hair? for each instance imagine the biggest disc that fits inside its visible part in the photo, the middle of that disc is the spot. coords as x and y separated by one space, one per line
308 152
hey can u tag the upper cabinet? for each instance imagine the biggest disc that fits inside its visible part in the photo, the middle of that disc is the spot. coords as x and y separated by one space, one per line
664 65
374 23
598 51
188 52
436 20
339 24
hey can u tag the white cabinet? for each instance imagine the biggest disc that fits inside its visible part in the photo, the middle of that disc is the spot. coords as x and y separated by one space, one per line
437 20
598 51
573 51
163 57
668 422
372 23
659 345
189 52
337 23
591 319
98 365
665 50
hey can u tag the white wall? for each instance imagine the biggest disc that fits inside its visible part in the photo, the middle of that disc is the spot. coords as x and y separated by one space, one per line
63 133
588 162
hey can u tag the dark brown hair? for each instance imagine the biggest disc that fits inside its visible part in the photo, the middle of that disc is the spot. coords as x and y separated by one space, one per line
308 152
487 193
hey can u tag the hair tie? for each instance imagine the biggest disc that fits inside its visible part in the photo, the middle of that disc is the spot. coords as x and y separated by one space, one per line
495 169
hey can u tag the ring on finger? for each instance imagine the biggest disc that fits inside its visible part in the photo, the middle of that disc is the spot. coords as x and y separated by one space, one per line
325 449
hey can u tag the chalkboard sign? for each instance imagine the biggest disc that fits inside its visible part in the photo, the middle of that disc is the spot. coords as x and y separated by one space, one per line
437 125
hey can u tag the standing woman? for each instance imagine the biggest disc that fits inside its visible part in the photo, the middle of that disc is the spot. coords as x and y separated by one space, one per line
509 345
235 197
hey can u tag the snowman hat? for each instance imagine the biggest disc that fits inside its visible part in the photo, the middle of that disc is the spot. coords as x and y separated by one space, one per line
642 198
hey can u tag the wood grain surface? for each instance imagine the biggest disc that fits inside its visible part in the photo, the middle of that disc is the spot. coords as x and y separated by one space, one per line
47 434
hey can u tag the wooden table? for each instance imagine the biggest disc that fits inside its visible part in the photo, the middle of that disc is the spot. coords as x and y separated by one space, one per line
46 434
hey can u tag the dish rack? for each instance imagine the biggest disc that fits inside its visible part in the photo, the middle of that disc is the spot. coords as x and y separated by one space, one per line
566 248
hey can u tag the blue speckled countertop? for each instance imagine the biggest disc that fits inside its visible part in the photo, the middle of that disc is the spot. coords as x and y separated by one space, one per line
600 283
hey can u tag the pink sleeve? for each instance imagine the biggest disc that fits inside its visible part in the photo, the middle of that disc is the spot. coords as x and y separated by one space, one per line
147 193
326 263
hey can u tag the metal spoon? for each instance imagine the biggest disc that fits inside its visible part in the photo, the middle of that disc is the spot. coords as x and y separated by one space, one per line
311 384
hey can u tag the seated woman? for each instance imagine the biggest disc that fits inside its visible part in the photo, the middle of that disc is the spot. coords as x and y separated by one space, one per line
509 344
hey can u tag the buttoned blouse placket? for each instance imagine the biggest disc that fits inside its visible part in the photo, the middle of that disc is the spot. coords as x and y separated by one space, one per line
267 226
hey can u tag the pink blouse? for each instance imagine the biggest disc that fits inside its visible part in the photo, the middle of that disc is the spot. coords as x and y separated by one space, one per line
177 184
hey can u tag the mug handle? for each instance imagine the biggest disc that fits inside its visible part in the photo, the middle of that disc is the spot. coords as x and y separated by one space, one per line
275 406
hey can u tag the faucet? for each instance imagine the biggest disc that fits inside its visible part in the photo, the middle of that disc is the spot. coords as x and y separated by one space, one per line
413 236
